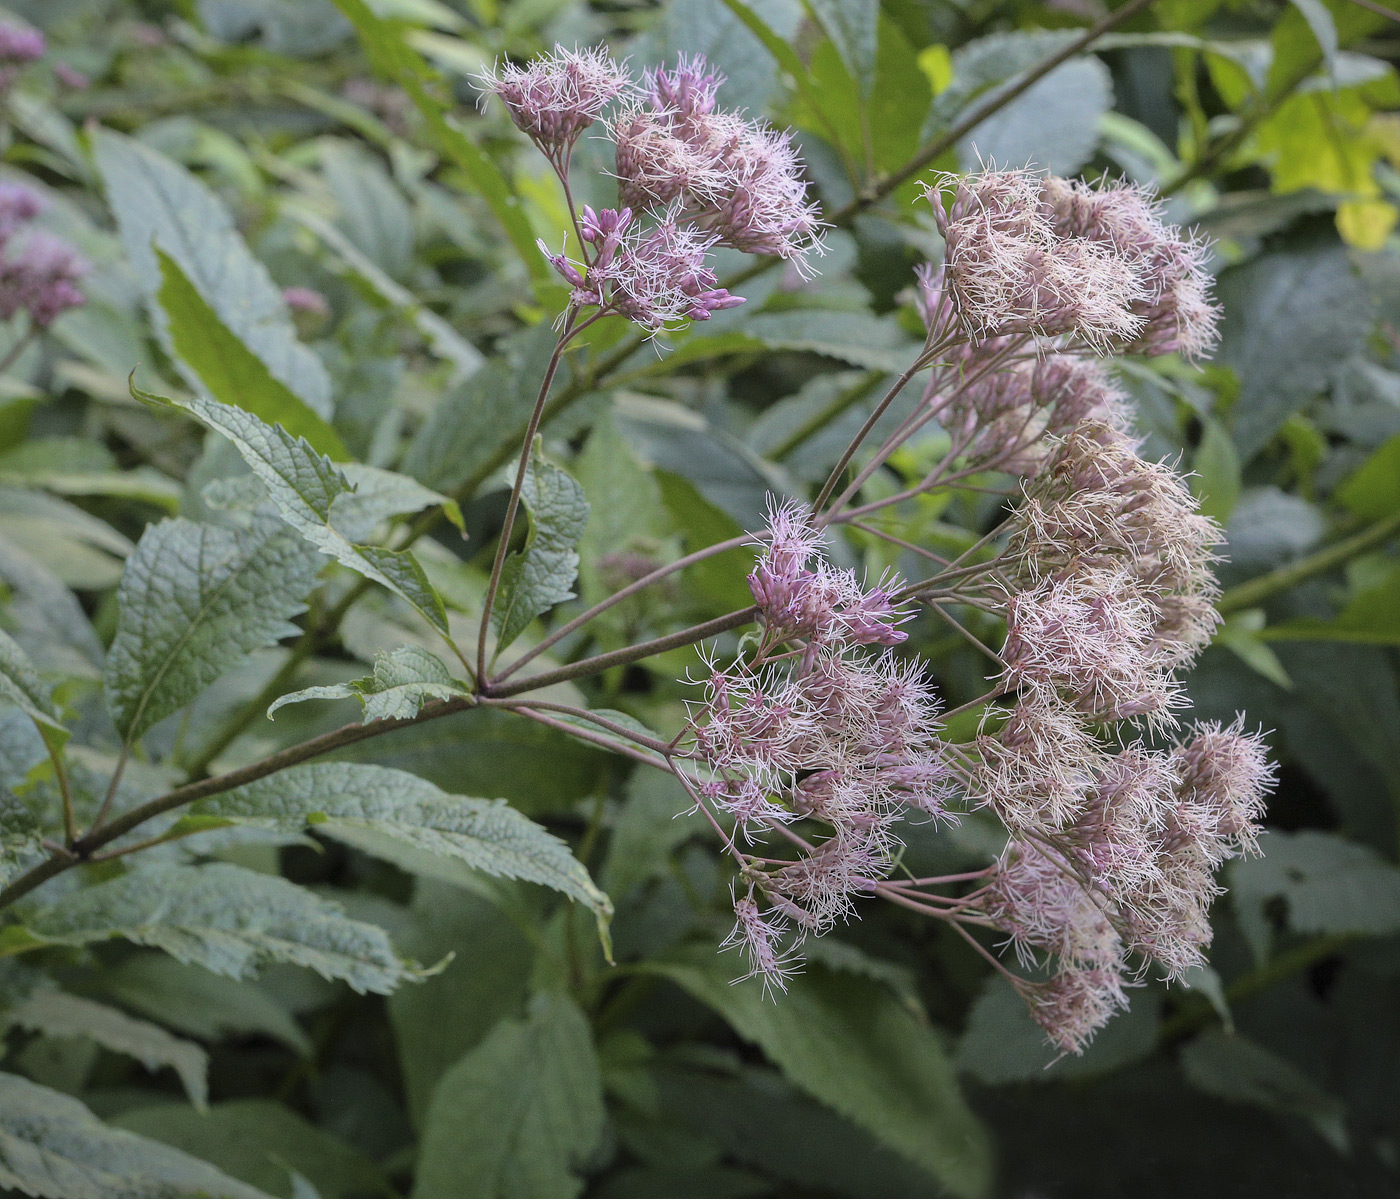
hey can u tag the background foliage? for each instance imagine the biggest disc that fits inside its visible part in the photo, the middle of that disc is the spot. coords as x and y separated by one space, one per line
355 984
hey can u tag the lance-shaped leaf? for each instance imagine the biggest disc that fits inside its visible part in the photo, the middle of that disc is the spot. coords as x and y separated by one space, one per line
194 601
403 681
58 1014
21 686
303 485
543 573
228 369
406 820
225 918
512 1117
158 203
53 1147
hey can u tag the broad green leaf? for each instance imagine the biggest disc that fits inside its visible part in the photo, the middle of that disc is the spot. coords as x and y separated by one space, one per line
1292 319
304 486
875 343
21 686
159 204
403 681
408 821
263 1144
852 26
486 979
543 573
1373 491
201 1004
657 819
195 601
225 918
517 1113
1054 124
719 581
1330 885
58 1014
1216 482
48 616
848 1042
52 1147
1233 1068
228 369
987 62
1323 28
380 494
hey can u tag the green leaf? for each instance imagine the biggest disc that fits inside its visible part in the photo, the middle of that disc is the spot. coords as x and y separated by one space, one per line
263 1144
543 573
201 1004
1217 478
21 686
58 1014
194 602
52 1147
1323 28
380 494
512 1118
408 821
19 834
303 485
1292 319
1235 1069
83 551
846 1041
230 370
719 581
160 205
1373 491
489 962
654 822
1330 884
1054 124
225 918
1241 635
853 27
403 681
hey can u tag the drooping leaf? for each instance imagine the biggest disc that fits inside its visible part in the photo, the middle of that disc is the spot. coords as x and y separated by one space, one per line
543 573
410 822
229 369
194 601
58 1014
263 1143
158 203
304 486
1234 1068
53 1147
201 1004
403 681
222 917
848 1042
511 1119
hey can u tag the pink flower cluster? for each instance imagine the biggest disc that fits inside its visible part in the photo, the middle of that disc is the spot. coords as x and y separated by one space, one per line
691 178
19 46
39 272
815 732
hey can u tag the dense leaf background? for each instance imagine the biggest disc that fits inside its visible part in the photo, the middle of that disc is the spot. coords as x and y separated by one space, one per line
381 974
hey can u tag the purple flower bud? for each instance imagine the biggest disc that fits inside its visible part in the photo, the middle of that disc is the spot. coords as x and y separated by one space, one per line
18 206
70 77
20 45
307 300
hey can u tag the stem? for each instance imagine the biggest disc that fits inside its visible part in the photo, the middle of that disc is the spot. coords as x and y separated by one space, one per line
621 730
96 838
970 637
1254 592
65 791
617 597
597 738
631 653
531 428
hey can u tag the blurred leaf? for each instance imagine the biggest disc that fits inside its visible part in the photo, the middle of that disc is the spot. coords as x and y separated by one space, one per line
263 1143
541 574
403 681
20 685
20 835
625 511
225 918
852 26
717 581
1269 526
193 1000
52 1146
848 1042
408 821
1054 124
1217 478
195 601
161 207
304 485
1373 491
1236 1069
1292 319
1241 635
656 820
232 372
82 551
58 1014
512 1117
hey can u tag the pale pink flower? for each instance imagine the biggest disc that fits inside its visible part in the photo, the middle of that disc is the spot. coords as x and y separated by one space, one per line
556 97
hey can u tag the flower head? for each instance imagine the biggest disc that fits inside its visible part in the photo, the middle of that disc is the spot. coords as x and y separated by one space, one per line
42 278
557 96
18 206
20 44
